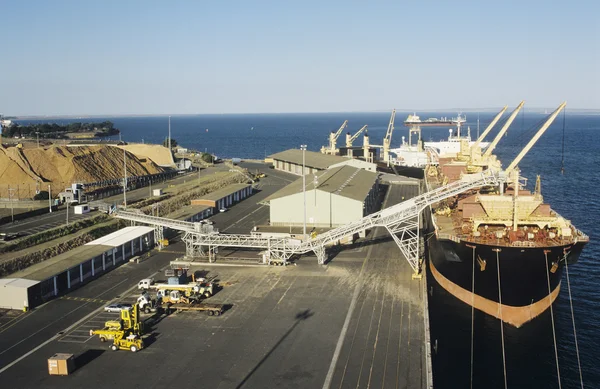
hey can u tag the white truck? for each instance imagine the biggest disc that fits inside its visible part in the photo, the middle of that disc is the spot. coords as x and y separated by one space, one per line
146 284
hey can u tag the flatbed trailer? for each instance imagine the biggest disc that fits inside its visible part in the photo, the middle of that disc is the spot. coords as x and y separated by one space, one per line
210 309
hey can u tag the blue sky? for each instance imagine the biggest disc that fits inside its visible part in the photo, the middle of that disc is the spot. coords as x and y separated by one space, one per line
157 57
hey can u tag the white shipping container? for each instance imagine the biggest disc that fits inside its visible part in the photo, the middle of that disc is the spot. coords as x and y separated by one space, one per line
157 192
81 209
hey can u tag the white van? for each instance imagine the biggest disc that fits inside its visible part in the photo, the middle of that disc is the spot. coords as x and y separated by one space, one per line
145 283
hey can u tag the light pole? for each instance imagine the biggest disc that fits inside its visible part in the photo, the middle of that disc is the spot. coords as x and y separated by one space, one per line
12 212
49 199
38 139
303 148
68 201
124 178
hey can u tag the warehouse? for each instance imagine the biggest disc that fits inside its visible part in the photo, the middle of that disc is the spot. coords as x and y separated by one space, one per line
225 197
290 161
334 198
62 273
192 213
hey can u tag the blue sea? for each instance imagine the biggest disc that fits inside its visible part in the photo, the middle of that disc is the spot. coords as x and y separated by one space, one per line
529 351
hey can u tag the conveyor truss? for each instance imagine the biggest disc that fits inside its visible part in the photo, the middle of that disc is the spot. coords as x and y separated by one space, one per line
402 221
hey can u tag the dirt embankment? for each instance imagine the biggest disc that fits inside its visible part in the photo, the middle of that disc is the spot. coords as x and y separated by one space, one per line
158 154
25 170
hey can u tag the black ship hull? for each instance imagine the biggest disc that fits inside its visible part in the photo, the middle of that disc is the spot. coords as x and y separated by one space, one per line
406 171
529 276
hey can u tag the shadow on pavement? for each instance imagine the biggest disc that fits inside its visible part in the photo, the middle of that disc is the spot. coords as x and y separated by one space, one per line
86 357
301 316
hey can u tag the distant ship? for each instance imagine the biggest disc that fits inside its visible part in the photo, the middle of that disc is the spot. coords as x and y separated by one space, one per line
413 120
414 158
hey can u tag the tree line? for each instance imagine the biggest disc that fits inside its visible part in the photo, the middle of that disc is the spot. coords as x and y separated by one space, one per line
53 130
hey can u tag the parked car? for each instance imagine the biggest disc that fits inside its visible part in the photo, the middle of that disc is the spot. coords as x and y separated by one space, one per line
223 209
117 307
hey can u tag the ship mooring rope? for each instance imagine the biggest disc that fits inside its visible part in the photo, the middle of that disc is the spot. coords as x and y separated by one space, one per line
552 317
573 320
501 321
472 313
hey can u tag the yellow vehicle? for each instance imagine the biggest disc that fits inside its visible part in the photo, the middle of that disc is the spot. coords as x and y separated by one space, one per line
125 333
130 342
164 242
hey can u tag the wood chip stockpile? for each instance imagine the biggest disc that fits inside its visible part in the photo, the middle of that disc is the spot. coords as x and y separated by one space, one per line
60 166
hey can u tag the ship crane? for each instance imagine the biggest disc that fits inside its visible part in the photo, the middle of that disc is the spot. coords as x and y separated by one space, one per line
332 149
488 129
535 138
513 172
512 117
352 138
387 141
476 160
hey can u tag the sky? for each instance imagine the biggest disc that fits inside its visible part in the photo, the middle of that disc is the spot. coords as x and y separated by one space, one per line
119 57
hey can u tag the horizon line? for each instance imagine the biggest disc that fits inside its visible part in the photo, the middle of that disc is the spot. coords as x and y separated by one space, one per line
106 115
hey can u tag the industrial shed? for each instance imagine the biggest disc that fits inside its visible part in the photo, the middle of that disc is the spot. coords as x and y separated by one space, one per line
224 197
192 213
334 198
16 293
290 161
67 271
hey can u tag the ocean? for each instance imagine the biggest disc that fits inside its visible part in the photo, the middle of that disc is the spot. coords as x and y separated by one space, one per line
529 350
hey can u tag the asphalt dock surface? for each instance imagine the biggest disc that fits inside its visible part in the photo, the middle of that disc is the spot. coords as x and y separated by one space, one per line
356 322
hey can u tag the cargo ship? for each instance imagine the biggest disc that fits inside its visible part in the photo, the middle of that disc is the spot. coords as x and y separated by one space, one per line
413 119
499 249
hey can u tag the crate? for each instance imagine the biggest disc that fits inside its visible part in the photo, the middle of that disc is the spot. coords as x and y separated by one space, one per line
61 364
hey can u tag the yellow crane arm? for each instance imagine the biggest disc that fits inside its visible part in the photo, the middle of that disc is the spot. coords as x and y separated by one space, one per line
339 131
490 126
512 117
351 139
535 138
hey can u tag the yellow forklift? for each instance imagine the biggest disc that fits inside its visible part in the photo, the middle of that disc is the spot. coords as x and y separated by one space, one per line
126 333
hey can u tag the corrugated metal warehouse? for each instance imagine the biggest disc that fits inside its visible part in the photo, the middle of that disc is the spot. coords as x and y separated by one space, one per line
290 161
336 197
192 213
67 271
224 197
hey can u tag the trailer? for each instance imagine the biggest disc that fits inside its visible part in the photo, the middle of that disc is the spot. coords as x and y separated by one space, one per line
210 309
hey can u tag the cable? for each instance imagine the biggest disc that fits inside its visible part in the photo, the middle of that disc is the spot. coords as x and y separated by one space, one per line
552 316
573 320
472 313
501 321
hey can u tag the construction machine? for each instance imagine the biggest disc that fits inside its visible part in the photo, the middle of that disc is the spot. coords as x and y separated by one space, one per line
125 333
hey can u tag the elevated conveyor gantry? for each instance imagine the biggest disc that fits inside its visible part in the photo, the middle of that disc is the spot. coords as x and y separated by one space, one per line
401 221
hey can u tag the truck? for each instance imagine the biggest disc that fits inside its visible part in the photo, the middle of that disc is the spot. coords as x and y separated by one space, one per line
199 287
176 301
145 284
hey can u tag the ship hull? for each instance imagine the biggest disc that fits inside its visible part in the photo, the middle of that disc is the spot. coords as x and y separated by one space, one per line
529 277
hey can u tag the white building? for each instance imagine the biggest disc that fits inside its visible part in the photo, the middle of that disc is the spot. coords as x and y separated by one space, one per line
334 198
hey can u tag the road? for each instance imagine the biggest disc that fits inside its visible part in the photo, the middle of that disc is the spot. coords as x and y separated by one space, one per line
59 218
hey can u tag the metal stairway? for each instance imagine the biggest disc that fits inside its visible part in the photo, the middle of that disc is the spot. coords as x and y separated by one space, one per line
401 220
